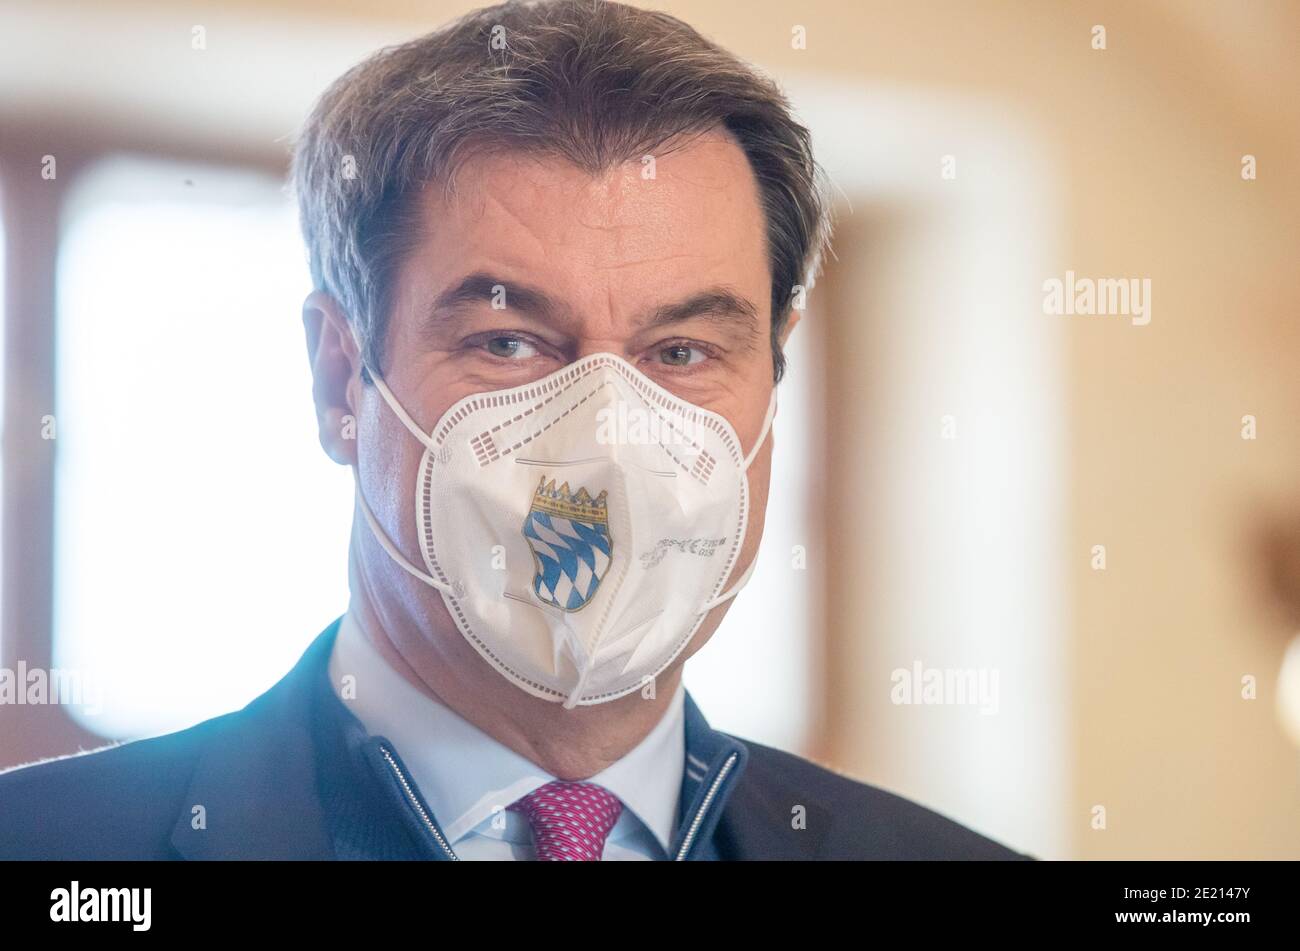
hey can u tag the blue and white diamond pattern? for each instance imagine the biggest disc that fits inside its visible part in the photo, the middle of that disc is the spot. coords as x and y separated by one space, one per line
572 557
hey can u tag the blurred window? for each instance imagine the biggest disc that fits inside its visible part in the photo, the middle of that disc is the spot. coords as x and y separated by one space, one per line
200 531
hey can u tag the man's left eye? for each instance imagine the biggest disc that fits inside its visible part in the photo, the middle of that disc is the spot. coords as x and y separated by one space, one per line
681 355
510 347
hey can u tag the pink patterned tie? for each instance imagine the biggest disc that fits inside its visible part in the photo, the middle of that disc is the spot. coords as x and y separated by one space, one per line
569 820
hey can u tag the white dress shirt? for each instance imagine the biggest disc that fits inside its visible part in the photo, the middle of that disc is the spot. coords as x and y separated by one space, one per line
468 778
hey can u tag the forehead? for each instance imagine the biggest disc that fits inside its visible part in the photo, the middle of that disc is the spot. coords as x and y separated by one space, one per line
684 216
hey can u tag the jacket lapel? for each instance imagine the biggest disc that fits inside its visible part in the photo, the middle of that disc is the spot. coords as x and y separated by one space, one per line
253 794
751 815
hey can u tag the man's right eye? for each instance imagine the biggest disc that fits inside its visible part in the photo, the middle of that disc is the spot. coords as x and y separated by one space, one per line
510 347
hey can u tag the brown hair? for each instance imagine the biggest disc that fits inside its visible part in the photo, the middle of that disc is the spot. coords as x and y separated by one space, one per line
598 83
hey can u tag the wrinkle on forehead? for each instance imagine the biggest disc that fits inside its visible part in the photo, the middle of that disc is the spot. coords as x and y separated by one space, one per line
526 210
616 198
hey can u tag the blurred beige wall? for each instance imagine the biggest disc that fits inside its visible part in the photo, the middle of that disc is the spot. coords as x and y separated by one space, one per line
1152 131
1149 134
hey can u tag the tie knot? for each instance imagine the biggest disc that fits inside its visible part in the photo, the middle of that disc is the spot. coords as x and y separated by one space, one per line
570 820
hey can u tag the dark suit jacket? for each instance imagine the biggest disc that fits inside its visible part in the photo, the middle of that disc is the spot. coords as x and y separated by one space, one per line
294 775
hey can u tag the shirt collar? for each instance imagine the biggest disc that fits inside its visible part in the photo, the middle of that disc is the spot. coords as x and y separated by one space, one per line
465 774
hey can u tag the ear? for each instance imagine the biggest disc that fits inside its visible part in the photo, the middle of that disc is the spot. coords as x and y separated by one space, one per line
335 369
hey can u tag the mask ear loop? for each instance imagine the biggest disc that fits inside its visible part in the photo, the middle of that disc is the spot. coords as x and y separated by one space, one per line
380 535
391 400
393 553
735 589
401 413
762 436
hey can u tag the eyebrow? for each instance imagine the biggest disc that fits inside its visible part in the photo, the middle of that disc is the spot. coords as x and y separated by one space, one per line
719 303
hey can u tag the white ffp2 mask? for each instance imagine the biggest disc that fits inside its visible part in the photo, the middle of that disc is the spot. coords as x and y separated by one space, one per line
579 527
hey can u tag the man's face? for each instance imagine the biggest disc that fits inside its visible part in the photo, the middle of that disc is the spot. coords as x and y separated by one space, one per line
586 265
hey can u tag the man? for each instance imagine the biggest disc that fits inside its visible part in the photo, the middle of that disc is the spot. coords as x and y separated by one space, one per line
555 251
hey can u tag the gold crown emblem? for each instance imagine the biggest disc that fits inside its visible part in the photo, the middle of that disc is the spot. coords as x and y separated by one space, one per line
566 504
